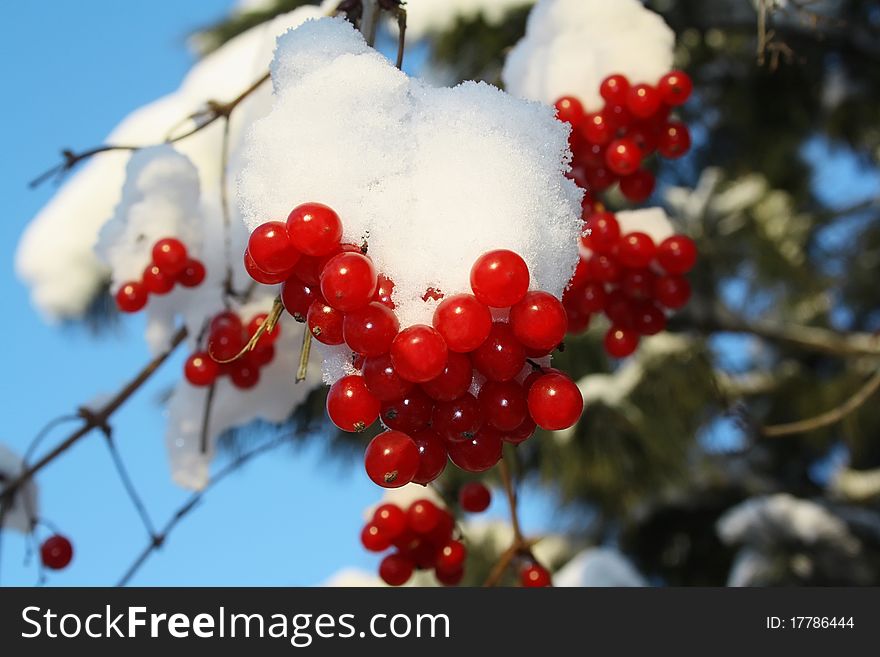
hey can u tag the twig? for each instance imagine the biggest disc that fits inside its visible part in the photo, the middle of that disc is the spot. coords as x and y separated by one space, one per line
129 486
306 349
206 419
266 327
401 36
370 20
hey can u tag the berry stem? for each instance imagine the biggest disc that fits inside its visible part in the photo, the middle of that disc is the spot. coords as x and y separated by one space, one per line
305 350
267 325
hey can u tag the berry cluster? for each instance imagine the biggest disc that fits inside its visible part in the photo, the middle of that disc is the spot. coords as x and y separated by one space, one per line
630 279
56 552
612 144
227 336
454 390
170 264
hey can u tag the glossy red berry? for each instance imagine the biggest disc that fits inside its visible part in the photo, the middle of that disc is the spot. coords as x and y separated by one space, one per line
463 321
226 320
270 248
382 380
56 552
373 539
621 342
348 281
419 353
600 179
643 100
674 140
500 278
193 273
474 497
648 319
350 406
244 374
619 308
636 250
602 232
618 117
157 281
308 270
449 577
675 88
451 557
522 433
131 297
371 329
314 229
638 284
261 276
570 110
597 130
613 89
677 254
384 290
638 186
200 369
325 322
225 340
539 321
501 356
590 298
459 419
391 459
423 516
170 256
391 520
604 268
268 337
623 156
396 569
535 576
479 453
453 381
432 455
297 297
503 404
410 413
672 291
555 402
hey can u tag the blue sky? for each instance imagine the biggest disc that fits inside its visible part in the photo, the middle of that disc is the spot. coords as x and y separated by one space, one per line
72 71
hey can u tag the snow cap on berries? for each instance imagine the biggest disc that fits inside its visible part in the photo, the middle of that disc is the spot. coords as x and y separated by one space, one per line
570 46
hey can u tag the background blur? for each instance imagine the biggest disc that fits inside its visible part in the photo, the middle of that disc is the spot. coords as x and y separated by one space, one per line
785 166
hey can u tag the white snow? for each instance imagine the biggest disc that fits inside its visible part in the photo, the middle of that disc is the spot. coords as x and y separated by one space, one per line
570 46
24 509
426 17
435 177
598 567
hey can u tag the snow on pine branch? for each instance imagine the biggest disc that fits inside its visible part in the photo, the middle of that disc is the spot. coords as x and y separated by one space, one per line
570 46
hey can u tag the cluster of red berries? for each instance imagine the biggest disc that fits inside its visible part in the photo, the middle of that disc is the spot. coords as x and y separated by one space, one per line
170 265
630 279
56 552
227 336
612 144
419 379
422 536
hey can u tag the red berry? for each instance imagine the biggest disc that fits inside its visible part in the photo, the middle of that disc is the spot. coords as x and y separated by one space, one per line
590 298
314 229
131 297
459 419
648 319
270 248
227 320
225 340
449 577
350 406
419 353
535 576
677 254
432 455
156 281
596 129
500 278
325 322
479 453
451 557
522 433
348 281
453 381
577 323
308 270
56 552
297 297
539 321
382 380
619 308
244 374
643 100
261 356
613 89
193 273
570 110
580 276
268 337
503 404
636 250
603 268
170 256
637 186
675 88
618 117
638 284
463 321
442 533
623 156
261 276
371 329
621 342
391 520
643 135
555 402
373 539
600 179
501 356
604 232
423 516
384 289
391 459
200 369
408 414
674 140
396 569
474 497
422 551
672 291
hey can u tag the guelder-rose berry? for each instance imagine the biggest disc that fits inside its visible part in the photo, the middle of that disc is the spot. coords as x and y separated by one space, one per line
613 89
539 321
391 459
390 519
261 276
675 88
56 552
636 250
500 278
451 557
350 405
570 110
410 413
674 140
244 374
479 453
449 577
348 281
623 156
643 100
638 186
597 130
501 356
200 369
522 433
396 569
535 576
432 455
193 274
383 381
370 330
677 254
297 297
621 342
648 319
463 321
131 297
638 284
453 381
314 229
423 516
459 419
225 341
270 248
603 268
555 402
170 255
474 497
373 539
603 232
269 336
325 322
672 291
419 353
503 404
157 281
